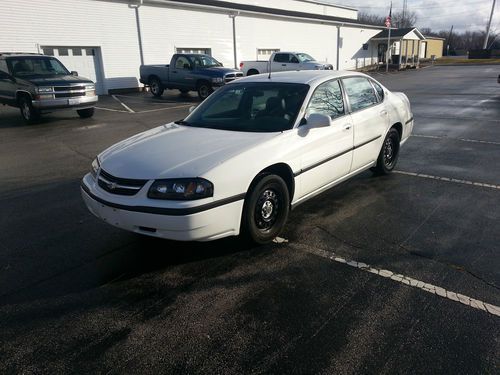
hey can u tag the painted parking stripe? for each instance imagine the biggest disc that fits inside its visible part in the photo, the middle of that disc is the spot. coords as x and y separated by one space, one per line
456 139
402 279
123 104
165 109
111 110
448 179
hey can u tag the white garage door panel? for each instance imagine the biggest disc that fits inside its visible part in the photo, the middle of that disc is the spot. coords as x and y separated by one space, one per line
84 60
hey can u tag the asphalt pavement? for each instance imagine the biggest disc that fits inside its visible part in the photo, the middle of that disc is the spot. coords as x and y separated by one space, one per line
356 285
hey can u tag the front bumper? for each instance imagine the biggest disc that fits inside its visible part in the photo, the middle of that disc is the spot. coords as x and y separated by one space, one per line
211 224
66 103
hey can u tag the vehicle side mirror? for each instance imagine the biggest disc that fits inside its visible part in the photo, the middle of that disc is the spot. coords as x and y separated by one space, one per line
192 108
318 120
74 73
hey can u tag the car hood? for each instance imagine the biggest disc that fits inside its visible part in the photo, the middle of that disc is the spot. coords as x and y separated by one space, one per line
56 80
173 151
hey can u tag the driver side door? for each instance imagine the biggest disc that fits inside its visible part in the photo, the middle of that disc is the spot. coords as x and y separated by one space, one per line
7 84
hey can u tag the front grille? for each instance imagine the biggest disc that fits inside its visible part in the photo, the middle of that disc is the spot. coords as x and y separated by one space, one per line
120 186
232 76
69 91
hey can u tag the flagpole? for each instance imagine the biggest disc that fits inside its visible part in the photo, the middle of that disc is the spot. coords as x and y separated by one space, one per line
388 24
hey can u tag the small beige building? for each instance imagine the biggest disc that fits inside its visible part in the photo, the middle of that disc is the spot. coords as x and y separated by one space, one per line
433 47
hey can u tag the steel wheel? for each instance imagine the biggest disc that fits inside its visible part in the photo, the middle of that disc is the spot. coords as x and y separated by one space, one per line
28 112
204 90
156 87
389 153
266 209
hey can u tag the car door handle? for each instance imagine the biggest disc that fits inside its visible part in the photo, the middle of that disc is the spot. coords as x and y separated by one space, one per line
346 127
383 113
283 64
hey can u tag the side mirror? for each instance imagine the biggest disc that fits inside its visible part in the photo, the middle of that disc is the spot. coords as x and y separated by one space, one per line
74 73
192 108
318 120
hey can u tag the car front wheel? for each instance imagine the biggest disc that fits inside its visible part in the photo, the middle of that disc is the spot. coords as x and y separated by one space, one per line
389 153
30 114
85 113
266 209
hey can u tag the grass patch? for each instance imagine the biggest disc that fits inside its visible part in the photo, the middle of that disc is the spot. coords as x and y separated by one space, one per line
444 60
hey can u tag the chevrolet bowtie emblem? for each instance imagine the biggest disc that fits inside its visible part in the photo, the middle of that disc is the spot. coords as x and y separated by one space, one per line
112 185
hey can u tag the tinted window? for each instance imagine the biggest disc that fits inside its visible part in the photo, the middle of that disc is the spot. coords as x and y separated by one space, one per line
360 93
181 63
281 57
204 61
252 107
35 66
3 66
327 99
380 91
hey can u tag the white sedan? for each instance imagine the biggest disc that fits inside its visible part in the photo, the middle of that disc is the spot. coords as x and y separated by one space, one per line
243 158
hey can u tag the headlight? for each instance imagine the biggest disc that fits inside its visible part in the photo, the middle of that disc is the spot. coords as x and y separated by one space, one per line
95 168
90 87
319 67
44 90
217 80
181 189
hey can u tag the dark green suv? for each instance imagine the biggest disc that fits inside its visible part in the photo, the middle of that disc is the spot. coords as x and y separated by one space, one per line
37 83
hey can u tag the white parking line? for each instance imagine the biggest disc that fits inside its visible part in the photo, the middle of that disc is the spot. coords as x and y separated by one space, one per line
458 118
456 139
111 110
429 288
123 104
448 179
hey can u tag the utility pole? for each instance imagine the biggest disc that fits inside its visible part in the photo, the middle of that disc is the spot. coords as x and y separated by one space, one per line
485 45
449 42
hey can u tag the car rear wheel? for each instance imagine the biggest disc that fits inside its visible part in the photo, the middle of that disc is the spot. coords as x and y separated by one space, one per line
85 113
204 90
389 153
156 87
266 209
30 114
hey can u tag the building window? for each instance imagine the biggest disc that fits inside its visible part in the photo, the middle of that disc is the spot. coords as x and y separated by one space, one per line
267 51
63 51
48 51
90 51
77 51
204 51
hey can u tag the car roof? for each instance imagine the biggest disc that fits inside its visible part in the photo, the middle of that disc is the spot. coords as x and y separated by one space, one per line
21 54
309 77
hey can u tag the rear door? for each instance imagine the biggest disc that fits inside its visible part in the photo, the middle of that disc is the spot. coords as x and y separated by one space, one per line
7 85
369 117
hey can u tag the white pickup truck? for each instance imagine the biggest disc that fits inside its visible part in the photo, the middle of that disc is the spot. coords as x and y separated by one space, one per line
281 61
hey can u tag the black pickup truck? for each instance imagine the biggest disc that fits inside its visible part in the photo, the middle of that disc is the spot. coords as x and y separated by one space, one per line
37 83
188 72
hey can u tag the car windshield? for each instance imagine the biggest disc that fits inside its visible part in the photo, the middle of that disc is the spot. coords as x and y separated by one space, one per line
250 107
35 66
204 61
304 57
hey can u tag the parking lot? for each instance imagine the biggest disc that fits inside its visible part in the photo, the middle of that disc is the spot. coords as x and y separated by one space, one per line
392 274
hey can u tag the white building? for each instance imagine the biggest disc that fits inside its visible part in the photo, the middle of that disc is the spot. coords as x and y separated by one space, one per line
107 40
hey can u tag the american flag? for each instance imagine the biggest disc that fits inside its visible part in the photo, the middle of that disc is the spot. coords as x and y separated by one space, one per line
388 18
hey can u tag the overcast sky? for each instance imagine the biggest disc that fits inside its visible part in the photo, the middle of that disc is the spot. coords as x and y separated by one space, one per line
438 15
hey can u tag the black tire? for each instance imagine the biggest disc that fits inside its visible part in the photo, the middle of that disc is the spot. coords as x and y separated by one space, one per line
30 114
252 72
85 113
389 153
156 87
204 90
266 208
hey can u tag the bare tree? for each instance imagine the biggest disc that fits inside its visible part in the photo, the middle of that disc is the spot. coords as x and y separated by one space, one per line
409 19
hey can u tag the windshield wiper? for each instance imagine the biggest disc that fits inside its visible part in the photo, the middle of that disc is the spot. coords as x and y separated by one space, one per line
182 122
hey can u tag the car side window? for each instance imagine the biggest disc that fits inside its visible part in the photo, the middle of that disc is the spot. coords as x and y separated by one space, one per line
182 63
3 66
327 99
294 59
360 93
379 90
281 57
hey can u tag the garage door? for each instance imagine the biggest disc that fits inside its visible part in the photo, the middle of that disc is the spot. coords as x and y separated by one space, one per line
85 60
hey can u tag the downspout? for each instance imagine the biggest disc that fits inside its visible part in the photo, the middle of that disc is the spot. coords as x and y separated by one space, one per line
338 45
233 17
138 25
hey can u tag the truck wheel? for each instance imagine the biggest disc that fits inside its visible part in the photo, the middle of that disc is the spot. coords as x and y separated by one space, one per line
85 113
156 87
30 114
204 90
252 72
